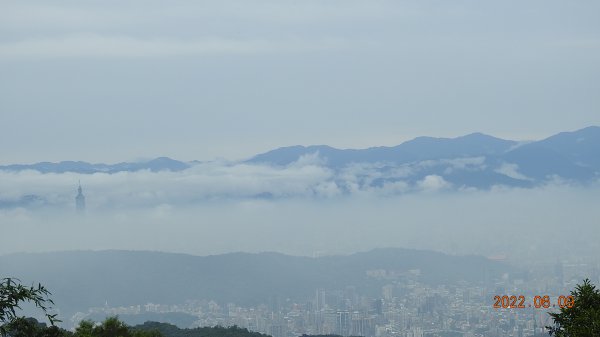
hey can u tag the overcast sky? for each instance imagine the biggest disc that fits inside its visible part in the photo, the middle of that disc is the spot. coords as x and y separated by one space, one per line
121 80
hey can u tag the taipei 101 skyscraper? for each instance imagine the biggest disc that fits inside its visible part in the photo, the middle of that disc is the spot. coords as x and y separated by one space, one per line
79 200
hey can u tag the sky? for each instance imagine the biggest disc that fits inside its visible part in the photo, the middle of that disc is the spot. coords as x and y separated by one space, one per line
110 81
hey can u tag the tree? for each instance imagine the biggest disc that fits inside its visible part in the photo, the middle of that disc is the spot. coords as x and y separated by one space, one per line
581 320
170 330
30 327
111 327
85 329
12 295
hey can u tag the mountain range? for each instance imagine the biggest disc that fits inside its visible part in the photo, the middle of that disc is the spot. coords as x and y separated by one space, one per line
475 160
154 165
82 279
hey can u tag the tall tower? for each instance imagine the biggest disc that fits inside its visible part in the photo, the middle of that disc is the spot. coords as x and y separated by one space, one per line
80 200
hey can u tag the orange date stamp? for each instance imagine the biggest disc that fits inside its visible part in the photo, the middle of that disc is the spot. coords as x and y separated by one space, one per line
539 302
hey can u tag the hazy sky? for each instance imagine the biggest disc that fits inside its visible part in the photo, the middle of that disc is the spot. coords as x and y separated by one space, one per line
119 80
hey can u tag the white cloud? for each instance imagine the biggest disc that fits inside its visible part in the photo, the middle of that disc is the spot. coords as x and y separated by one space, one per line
512 171
433 183
311 159
15 216
102 46
360 221
145 188
48 16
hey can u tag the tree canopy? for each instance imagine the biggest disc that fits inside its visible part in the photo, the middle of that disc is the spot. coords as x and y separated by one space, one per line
170 330
581 320
111 327
12 295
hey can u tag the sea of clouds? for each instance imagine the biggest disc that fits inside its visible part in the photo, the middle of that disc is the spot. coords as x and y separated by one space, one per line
304 208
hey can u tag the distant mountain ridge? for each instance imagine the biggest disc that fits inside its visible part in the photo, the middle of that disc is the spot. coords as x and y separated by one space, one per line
82 279
154 165
573 156
475 160
420 148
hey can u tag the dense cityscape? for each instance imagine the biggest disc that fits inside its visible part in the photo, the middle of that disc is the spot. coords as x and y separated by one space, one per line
405 308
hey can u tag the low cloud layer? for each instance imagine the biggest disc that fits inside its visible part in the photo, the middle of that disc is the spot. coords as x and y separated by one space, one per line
308 177
303 209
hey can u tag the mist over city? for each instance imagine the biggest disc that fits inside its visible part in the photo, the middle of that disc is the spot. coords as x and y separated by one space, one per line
299 168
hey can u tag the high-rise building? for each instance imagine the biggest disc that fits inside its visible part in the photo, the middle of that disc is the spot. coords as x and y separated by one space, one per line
320 300
343 323
79 200
278 330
